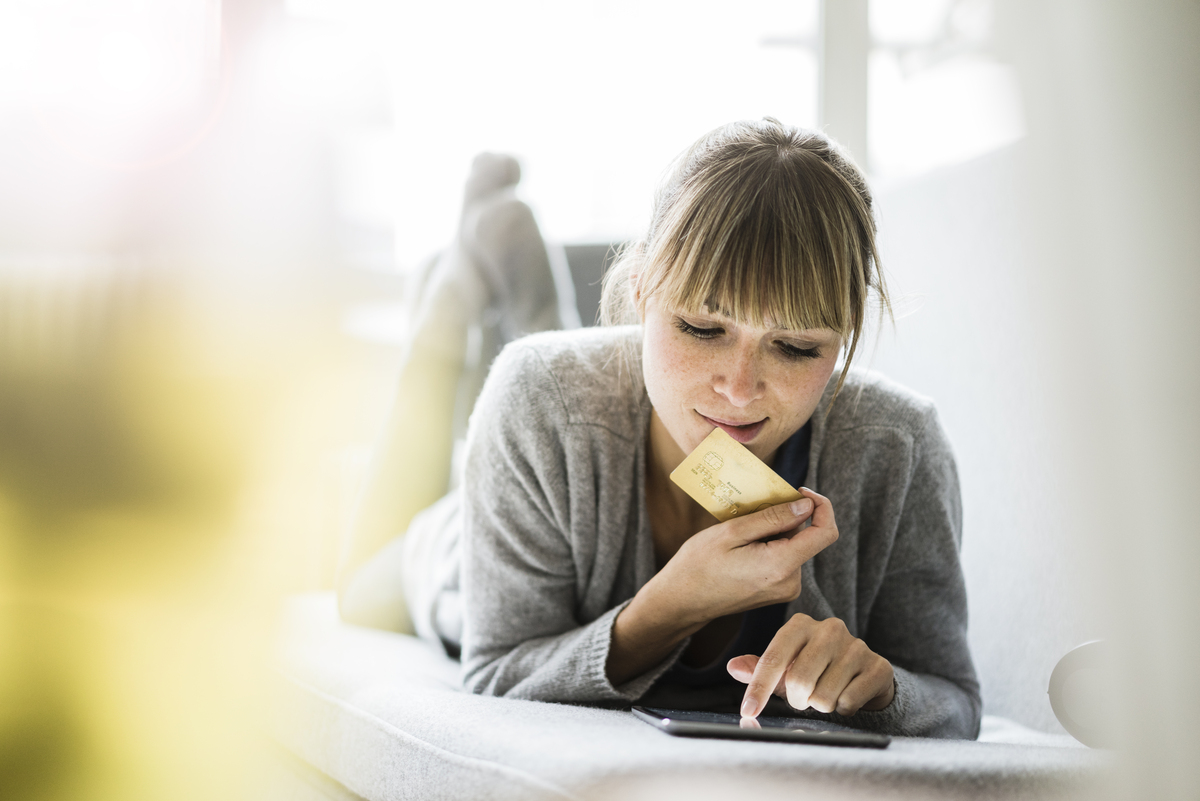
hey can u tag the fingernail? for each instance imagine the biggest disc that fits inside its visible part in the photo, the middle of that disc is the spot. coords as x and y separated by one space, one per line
749 708
801 506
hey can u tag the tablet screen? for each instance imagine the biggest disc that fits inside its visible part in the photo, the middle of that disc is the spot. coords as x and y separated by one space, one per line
689 723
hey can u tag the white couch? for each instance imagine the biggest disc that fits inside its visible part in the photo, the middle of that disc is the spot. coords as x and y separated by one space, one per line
381 716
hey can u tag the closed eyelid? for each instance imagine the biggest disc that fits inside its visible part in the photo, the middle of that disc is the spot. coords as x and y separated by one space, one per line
791 350
805 344
698 331
700 324
808 343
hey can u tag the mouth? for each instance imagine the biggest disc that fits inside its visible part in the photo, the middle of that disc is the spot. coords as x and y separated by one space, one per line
742 432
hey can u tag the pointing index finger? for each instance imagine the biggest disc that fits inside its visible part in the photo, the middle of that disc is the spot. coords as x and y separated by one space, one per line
771 667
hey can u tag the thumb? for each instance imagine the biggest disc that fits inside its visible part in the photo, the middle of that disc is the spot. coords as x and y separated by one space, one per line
766 523
742 667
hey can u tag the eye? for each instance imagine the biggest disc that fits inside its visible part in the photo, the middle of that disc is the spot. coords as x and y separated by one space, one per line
696 331
798 353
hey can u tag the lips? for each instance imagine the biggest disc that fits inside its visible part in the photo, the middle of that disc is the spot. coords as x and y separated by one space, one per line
742 432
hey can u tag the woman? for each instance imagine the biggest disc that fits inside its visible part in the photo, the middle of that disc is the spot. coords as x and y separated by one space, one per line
588 576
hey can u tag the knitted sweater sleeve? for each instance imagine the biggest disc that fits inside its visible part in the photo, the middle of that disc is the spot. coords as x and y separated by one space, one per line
530 495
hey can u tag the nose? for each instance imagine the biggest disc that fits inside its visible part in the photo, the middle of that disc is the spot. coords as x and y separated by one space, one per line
741 381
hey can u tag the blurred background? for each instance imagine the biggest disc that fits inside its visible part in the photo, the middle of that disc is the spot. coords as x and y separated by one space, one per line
211 210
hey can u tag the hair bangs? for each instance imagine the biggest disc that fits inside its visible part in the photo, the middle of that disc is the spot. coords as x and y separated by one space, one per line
762 258
766 223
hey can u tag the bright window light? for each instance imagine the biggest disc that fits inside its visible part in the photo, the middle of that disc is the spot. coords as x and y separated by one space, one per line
114 82
121 55
594 99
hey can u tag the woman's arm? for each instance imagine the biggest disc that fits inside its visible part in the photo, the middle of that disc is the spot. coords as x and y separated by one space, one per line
919 618
915 639
816 664
741 564
542 540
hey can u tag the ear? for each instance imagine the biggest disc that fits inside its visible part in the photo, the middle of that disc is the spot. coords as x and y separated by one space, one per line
635 294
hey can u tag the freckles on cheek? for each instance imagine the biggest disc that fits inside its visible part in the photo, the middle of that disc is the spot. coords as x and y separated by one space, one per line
806 389
817 379
667 378
660 351
671 372
686 371
675 360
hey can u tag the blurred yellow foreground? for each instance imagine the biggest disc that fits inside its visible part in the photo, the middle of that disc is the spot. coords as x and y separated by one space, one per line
163 444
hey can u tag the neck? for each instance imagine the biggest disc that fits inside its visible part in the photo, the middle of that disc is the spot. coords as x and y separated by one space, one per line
664 456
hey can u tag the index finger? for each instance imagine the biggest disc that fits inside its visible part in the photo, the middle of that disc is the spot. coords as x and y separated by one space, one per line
803 543
768 673
822 515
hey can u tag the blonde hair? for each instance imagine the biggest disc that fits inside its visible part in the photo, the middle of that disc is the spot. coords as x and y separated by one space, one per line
763 222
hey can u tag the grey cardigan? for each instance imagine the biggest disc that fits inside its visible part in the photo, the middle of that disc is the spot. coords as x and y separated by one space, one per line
557 540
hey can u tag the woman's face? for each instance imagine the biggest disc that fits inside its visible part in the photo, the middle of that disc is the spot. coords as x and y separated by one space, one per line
760 385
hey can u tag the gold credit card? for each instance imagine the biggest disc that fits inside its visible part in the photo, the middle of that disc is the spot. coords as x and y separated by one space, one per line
728 480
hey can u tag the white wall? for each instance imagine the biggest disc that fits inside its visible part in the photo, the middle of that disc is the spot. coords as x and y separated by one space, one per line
959 259
1059 334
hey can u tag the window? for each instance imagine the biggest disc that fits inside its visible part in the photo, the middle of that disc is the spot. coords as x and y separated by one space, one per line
595 99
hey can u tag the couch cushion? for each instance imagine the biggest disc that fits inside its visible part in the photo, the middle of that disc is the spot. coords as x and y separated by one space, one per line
384 715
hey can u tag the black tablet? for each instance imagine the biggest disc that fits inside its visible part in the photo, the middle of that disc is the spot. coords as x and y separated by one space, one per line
684 723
